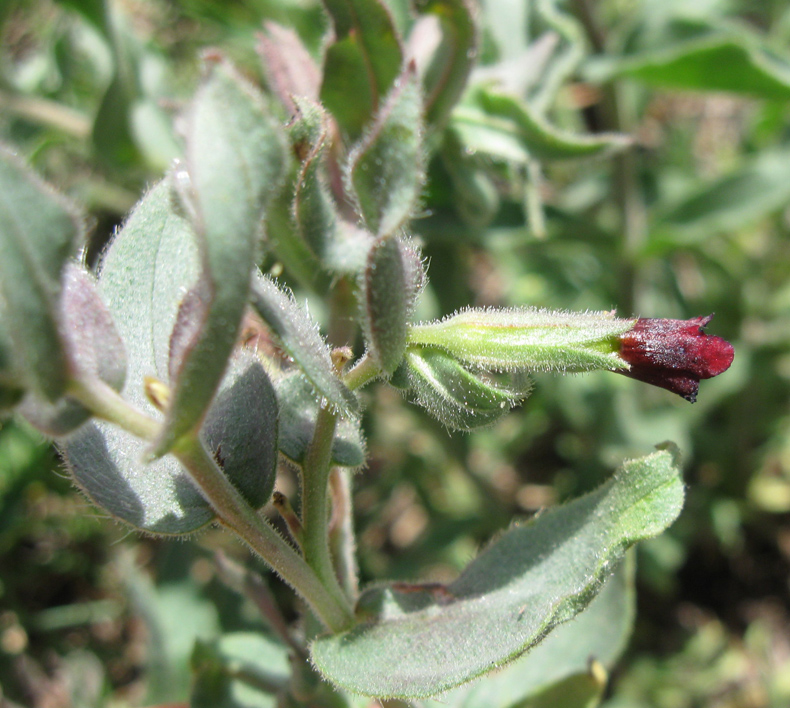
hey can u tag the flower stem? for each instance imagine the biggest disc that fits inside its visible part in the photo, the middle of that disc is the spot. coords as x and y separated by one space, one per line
363 372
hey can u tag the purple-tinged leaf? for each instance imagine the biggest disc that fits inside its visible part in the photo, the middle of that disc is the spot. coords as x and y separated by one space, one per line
290 70
39 232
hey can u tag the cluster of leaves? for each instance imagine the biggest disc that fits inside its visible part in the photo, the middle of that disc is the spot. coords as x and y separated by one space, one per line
335 192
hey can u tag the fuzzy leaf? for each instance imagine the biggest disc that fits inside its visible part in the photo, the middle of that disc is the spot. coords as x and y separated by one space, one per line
385 170
239 670
298 413
445 77
506 128
240 430
600 632
93 348
528 339
699 55
39 232
458 398
234 162
391 282
414 641
361 64
299 336
144 274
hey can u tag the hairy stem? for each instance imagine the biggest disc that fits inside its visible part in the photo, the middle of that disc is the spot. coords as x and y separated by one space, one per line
315 502
331 607
323 596
363 372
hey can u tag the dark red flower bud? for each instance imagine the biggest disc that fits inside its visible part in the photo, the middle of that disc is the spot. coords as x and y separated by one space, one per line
674 354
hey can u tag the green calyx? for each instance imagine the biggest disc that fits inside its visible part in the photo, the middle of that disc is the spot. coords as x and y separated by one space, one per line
528 339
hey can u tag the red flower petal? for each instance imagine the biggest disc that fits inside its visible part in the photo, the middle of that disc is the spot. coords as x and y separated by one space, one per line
674 354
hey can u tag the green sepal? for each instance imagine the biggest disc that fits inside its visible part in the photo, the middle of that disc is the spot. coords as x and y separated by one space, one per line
413 641
528 339
458 398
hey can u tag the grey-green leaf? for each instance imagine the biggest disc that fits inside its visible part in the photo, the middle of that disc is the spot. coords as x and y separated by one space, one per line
600 632
506 128
300 338
235 155
298 413
362 63
240 431
390 284
385 169
143 278
414 641
39 232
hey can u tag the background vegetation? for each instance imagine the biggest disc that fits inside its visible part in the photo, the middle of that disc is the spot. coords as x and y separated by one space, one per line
692 218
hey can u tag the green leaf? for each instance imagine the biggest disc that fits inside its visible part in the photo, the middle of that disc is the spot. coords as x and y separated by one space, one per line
298 413
507 128
699 55
143 276
390 285
234 162
458 398
39 232
240 430
600 633
239 670
415 641
445 77
528 339
93 347
757 189
362 63
385 169
301 339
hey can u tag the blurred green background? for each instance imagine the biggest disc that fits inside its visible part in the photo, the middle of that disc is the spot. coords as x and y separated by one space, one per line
693 218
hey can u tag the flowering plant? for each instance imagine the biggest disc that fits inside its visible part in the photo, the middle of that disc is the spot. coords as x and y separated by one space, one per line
177 378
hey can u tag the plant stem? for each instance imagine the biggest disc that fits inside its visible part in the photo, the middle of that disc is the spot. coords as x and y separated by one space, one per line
324 596
364 371
329 605
315 502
